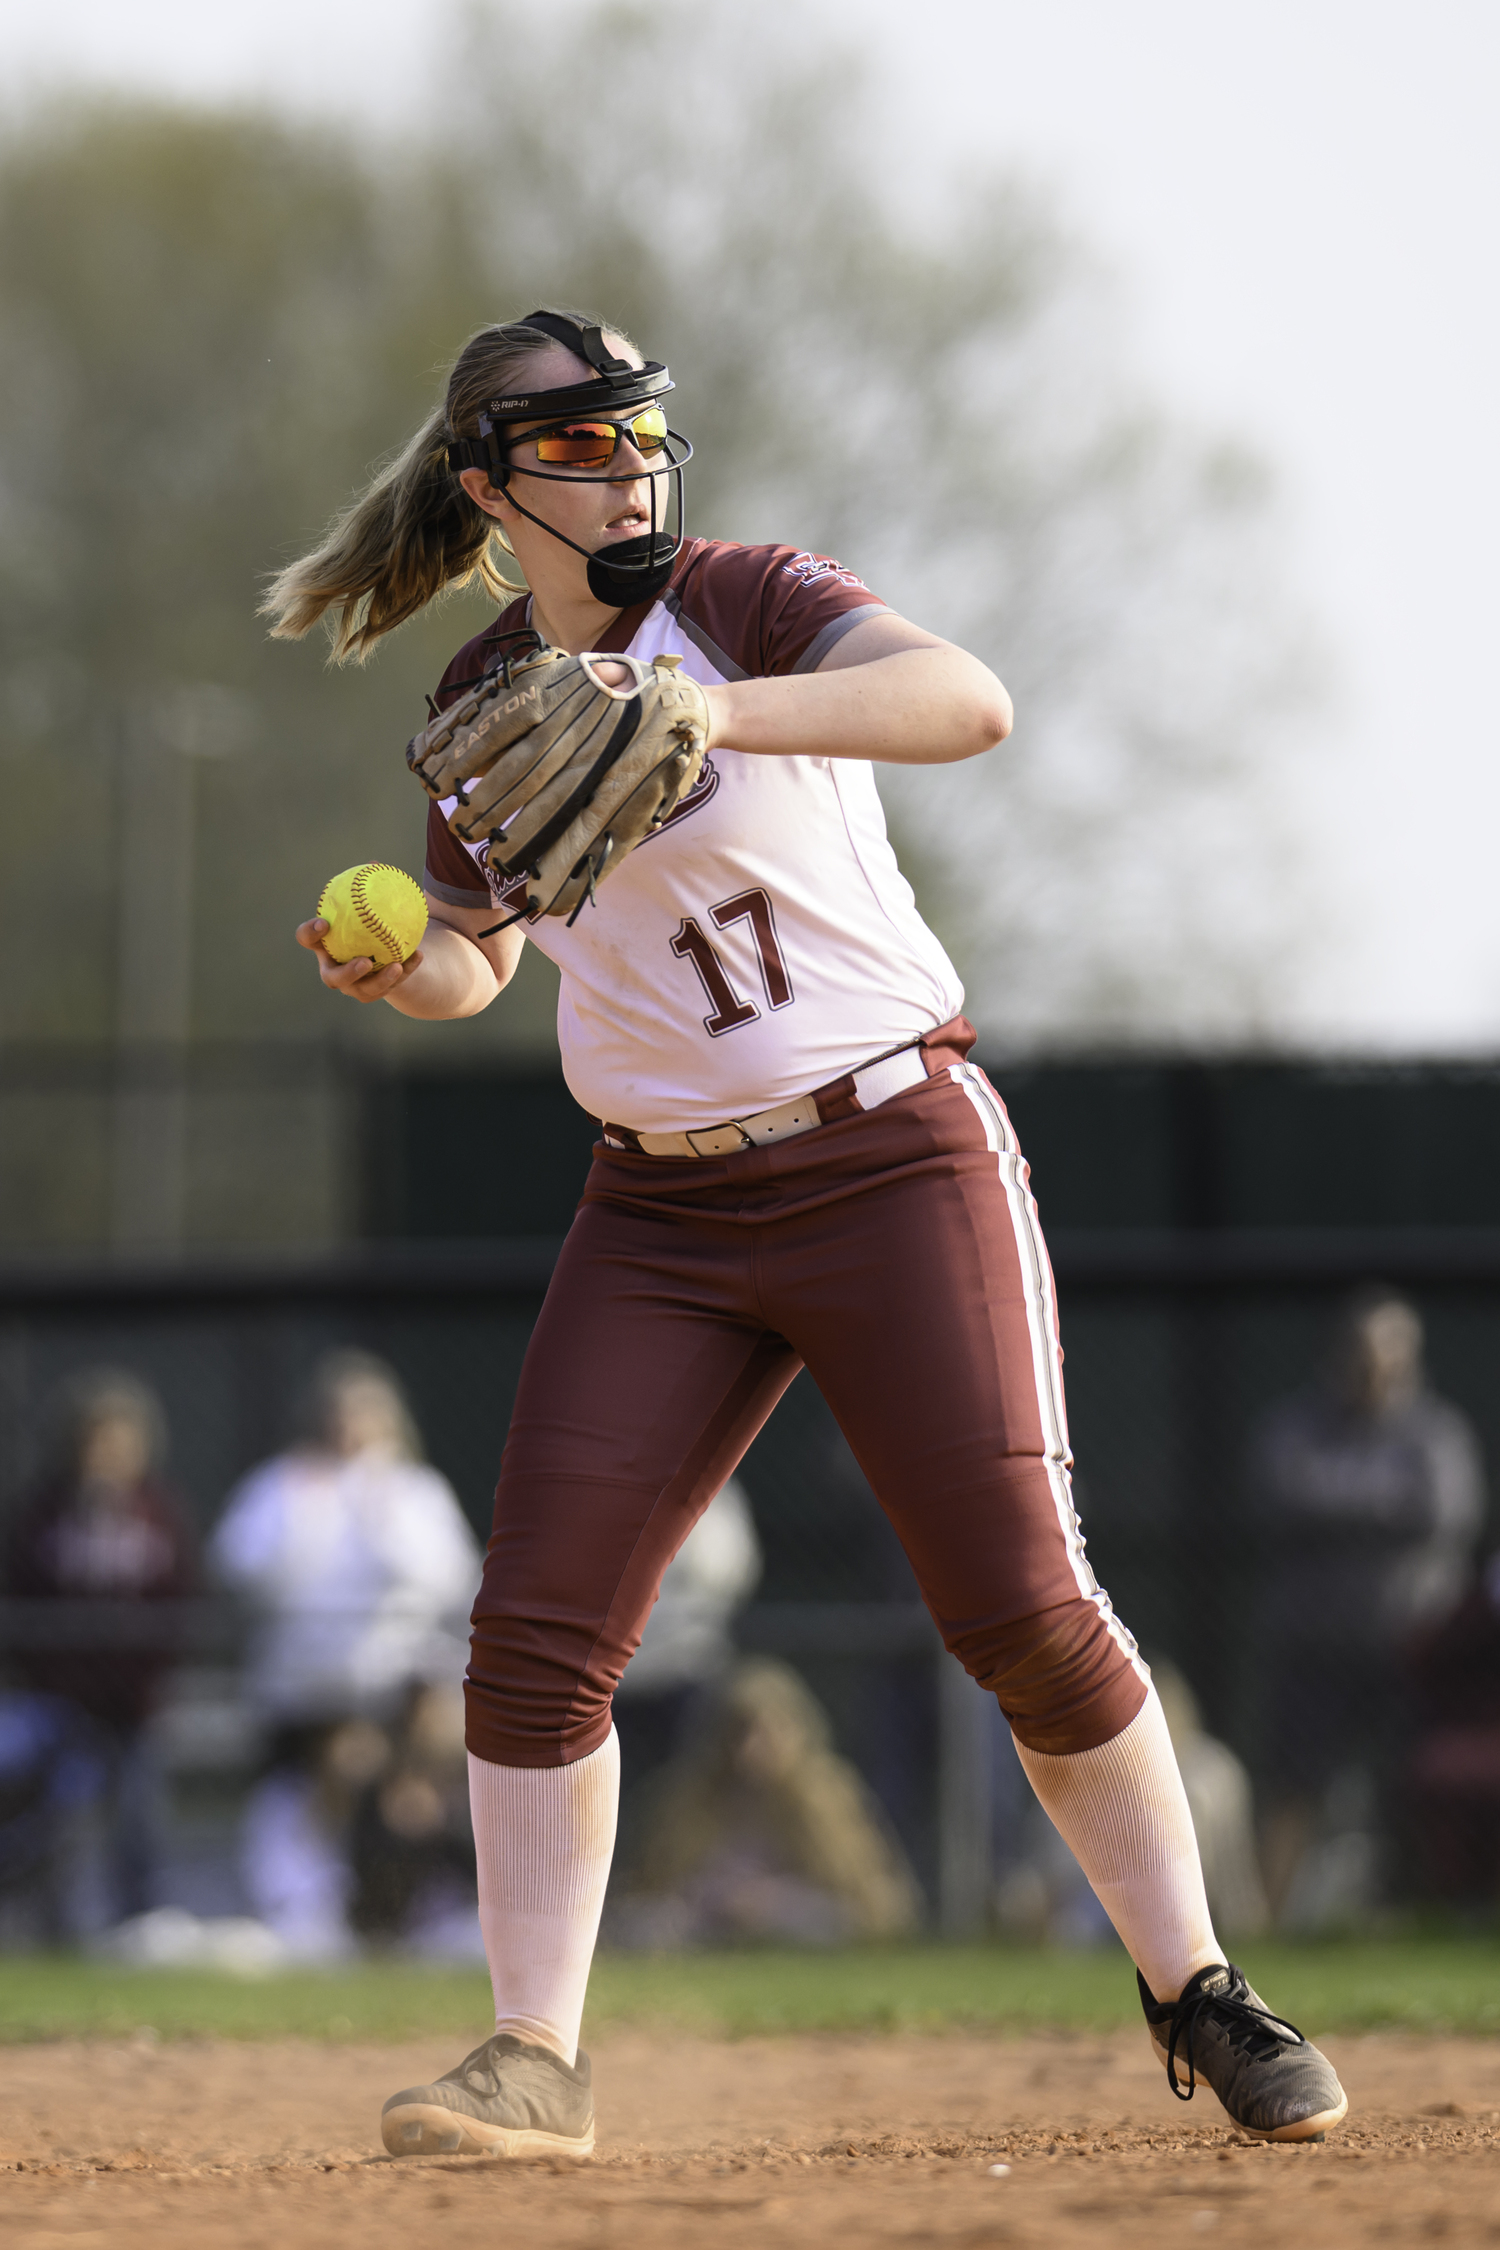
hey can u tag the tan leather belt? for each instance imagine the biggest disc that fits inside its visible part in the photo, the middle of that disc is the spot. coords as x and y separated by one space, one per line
873 1083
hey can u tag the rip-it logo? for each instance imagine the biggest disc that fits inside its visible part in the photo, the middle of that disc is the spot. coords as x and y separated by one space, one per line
809 568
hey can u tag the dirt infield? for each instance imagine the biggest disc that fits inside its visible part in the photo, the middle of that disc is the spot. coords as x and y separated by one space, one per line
812 2140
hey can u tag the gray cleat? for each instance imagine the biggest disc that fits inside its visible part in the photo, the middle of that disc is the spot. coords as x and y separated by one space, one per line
1273 2083
506 2099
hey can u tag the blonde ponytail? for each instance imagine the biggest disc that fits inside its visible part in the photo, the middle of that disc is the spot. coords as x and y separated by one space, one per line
414 532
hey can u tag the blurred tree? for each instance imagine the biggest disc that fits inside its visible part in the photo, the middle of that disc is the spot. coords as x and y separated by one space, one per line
209 327
211 324
947 407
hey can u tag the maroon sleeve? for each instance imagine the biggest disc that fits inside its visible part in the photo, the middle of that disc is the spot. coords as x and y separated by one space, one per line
768 610
451 872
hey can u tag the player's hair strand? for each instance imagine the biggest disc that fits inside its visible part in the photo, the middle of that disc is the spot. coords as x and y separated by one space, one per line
413 533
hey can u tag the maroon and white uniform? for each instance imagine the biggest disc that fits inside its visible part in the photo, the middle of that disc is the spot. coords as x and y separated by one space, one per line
765 941
759 949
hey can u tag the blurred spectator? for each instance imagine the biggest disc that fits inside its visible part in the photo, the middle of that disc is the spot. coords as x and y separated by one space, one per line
686 1647
361 1567
1220 1801
1368 1498
101 1527
1042 1895
757 1830
51 1780
354 1553
1453 1781
411 1844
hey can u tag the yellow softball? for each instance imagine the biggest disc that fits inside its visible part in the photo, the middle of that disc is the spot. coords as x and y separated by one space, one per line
374 910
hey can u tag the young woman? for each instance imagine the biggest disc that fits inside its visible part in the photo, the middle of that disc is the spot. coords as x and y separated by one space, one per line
797 1165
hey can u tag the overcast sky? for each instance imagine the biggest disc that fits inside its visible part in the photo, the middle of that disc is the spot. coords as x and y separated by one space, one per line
1300 199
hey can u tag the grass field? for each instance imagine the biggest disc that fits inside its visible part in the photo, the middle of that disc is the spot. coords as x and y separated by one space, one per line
1429 1983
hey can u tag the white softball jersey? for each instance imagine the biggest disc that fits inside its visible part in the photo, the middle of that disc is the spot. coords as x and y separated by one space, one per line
764 941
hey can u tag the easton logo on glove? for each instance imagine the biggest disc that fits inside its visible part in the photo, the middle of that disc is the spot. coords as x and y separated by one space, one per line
562 774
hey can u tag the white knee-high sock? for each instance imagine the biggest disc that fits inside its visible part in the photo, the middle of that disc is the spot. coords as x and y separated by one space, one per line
1123 1813
544 1837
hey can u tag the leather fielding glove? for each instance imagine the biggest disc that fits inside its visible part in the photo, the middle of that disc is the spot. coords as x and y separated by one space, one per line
561 775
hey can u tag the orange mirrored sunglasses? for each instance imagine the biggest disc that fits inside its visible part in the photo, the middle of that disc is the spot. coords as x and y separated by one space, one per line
593 445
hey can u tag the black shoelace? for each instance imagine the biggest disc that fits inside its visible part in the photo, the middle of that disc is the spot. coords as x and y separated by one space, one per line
1251 2031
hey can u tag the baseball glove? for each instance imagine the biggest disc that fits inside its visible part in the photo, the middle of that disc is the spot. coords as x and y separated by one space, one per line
562 775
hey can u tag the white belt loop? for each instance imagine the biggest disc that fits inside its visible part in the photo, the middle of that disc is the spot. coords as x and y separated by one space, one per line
878 1081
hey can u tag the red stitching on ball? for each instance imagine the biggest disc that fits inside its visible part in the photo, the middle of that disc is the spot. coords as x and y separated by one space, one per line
371 920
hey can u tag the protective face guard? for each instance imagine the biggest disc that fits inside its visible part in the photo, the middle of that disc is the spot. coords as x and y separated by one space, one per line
631 570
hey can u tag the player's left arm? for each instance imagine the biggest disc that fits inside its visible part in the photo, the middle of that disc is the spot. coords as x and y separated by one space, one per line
886 690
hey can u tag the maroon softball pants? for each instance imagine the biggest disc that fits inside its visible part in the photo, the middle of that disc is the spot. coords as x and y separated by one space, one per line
896 1254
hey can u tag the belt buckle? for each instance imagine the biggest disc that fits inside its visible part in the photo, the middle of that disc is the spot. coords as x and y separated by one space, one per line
719 1140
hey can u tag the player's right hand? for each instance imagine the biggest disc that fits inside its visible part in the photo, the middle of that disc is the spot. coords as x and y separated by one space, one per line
358 979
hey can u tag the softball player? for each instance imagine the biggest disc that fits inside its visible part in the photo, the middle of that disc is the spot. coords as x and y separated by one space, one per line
797 1165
